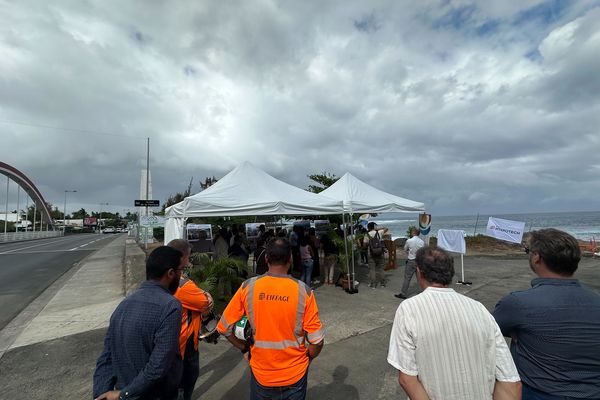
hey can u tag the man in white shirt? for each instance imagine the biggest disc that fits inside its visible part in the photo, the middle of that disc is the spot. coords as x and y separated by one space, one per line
446 345
411 246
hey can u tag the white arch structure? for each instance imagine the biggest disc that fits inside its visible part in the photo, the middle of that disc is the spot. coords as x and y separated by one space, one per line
29 188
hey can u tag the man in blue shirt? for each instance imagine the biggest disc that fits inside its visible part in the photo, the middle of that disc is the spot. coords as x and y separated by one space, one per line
555 325
141 358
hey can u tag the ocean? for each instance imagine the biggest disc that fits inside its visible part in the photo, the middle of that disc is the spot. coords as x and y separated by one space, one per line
583 225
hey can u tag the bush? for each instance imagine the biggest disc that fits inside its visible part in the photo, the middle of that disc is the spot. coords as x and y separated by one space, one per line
159 233
221 278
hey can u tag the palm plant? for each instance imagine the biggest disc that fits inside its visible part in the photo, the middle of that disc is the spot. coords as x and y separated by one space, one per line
220 277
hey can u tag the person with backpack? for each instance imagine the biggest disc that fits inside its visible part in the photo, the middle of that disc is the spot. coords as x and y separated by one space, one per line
260 257
373 241
411 246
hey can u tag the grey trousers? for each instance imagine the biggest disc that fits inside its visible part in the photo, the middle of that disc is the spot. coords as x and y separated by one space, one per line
376 270
409 271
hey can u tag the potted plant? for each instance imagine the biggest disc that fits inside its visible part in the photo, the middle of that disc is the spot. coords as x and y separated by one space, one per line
347 280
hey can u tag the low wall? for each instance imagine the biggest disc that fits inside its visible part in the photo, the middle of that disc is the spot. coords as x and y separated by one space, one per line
134 266
19 236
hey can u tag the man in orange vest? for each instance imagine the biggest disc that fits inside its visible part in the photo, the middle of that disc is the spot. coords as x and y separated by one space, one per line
196 304
286 331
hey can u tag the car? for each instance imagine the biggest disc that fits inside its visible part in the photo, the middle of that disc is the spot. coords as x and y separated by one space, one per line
109 230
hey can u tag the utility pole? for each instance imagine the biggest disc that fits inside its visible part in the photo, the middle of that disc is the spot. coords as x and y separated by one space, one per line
6 210
64 212
147 189
100 219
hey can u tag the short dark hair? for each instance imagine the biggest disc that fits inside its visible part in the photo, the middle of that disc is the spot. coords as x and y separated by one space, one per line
180 244
161 260
435 264
371 225
279 251
559 250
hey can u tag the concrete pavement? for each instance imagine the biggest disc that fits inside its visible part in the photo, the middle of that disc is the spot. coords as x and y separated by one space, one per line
352 365
81 301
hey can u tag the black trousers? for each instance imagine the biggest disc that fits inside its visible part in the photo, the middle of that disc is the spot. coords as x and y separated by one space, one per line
191 369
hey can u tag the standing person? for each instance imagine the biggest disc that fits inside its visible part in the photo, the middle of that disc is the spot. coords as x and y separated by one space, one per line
360 237
293 238
313 242
220 244
140 359
374 242
446 345
555 325
307 259
237 249
411 247
287 332
331 254
260 257
196 305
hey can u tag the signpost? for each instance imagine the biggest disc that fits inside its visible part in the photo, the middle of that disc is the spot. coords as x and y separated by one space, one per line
149 222
146 203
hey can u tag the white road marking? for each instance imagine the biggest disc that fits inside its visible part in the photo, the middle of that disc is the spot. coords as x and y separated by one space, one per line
35 245
51 251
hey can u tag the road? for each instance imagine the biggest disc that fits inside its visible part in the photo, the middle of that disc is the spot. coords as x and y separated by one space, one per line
28 268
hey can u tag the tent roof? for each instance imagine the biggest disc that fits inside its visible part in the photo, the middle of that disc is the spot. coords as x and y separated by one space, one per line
248 190
360 197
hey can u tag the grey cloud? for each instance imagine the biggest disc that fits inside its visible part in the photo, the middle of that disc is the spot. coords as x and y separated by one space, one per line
456 116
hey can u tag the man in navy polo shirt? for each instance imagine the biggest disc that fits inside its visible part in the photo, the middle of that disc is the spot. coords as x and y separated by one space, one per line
555 325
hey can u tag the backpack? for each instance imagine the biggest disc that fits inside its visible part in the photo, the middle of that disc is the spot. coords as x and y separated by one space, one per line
376 245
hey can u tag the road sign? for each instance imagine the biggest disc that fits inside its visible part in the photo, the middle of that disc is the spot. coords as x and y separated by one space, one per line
152 221
146 203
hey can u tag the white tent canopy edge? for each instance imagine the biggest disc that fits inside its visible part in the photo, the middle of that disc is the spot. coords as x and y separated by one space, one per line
247 191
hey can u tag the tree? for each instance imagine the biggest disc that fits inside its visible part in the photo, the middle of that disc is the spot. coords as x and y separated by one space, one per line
324 180
80 214
131 217
55 213
178 197
208 182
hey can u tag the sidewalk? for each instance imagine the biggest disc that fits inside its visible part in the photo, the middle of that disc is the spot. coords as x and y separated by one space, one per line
353 364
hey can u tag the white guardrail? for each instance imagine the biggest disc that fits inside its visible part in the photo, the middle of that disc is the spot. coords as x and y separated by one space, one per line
14 236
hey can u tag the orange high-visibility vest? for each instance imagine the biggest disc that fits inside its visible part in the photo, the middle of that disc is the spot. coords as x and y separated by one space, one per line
283 314
194 303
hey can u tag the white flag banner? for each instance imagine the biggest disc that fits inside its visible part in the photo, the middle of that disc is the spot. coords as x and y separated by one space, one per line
452 240
505 229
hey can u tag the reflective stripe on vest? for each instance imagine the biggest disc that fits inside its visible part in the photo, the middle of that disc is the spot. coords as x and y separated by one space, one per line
250 303
226 325
315 337
284 344
186 315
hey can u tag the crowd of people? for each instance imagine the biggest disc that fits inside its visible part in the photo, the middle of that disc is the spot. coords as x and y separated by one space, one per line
444 345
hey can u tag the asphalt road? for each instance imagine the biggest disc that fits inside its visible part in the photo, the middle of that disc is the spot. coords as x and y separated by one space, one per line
28 268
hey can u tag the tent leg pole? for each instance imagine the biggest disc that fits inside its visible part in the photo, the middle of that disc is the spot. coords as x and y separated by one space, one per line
462 271
352 250
346 248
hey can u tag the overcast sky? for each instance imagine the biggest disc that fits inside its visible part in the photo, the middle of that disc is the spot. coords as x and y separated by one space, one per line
490 106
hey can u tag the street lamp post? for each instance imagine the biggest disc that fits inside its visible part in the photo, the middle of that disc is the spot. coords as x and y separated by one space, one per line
100 221
65 210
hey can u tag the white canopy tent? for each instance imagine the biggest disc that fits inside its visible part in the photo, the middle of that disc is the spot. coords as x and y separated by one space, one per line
360 197
247 190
